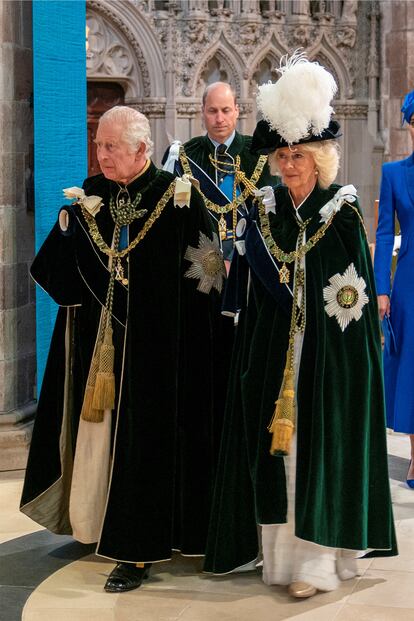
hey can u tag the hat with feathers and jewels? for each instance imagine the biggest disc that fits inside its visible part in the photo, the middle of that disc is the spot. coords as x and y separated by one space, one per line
297 108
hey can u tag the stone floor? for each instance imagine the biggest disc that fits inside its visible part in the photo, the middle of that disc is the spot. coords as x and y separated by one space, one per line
44 577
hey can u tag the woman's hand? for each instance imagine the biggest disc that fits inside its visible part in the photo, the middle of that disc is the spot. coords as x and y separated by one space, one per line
384 307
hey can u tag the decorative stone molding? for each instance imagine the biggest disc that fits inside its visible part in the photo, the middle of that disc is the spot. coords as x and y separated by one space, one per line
345 37
187 109
246 36
150 109
114 29
246 108
349 10
351 110
230 32
228 67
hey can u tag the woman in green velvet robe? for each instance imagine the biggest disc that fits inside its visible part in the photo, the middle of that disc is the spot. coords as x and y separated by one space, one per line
307 364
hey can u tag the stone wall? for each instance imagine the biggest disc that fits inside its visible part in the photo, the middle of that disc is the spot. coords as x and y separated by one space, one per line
397 76
17 304
164 53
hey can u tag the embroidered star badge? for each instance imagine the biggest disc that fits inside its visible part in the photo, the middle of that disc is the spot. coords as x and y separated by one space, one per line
345 296
207 264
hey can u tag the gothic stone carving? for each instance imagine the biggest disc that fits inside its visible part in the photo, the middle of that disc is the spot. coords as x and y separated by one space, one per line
110 19
197 31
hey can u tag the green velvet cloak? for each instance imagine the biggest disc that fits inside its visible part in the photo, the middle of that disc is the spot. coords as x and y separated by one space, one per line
199 149
342 495
169 390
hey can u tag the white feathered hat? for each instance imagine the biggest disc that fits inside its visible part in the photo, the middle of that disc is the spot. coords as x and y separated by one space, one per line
297 108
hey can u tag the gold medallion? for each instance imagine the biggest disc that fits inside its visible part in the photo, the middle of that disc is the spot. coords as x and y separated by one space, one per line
212 263
284 275
119 271
222 228
347 296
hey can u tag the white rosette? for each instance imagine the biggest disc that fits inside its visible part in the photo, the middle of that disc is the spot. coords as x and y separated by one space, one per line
182 193
91 203
268 198
346 194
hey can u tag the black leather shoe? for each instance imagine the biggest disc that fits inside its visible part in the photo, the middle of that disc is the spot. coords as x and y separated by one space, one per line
125 577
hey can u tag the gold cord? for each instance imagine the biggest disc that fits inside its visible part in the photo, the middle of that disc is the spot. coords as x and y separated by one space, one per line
282 424
240 178
100 388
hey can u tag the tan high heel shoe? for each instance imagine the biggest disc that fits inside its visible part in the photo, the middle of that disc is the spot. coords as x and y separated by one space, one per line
301 589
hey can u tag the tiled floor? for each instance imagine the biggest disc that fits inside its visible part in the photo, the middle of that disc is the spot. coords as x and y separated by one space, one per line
61 580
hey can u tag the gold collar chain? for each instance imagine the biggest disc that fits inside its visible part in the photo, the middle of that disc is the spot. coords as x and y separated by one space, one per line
119 254
240 179
288 257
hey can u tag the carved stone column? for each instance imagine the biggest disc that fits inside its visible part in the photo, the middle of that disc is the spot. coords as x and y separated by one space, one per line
170 107
398 73
17 308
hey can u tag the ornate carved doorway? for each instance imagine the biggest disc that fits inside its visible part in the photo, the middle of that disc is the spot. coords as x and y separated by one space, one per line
101 97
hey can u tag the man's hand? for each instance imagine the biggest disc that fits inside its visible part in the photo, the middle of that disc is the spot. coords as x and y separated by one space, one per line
384 307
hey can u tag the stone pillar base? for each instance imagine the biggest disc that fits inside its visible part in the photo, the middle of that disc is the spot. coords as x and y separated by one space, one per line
15 435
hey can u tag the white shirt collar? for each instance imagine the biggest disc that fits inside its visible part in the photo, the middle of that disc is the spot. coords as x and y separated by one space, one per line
226 142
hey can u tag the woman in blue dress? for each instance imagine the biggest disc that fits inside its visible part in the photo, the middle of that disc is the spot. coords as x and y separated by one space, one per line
396 302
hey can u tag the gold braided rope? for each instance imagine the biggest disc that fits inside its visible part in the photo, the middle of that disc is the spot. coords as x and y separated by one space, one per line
360 219
240 178
119 254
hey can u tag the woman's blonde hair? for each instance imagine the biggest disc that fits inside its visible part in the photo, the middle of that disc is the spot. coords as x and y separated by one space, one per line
326 155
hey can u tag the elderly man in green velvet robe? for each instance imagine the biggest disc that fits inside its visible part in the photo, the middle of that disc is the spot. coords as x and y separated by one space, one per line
129 416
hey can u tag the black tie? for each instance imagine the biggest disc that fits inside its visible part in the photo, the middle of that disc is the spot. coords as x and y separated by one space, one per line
225 161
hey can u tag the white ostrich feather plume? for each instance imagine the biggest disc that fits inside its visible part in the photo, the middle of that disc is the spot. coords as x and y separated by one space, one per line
299 102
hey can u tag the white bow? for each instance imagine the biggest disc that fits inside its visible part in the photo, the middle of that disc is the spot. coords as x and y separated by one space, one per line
173 155
347 193
91 203
268 198
182 192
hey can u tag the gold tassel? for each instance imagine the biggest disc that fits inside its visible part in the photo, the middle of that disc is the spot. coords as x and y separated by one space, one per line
282 424
88 412
104 393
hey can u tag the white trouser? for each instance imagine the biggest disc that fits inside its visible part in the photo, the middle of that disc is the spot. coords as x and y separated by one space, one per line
288 559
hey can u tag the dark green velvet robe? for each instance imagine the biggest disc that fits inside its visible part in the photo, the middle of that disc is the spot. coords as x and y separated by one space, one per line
168 416
199 149
342 495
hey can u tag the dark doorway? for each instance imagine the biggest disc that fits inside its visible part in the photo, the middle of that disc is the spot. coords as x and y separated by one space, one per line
101 97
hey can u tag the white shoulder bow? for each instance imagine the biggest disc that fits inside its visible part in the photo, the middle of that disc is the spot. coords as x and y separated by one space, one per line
347 194
268 197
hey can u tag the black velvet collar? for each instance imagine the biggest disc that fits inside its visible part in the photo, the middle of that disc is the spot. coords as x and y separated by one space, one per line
313 203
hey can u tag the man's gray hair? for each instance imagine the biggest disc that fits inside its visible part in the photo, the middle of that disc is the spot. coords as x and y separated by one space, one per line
213 85
135 127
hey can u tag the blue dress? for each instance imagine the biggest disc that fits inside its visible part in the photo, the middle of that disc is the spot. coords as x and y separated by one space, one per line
397 199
